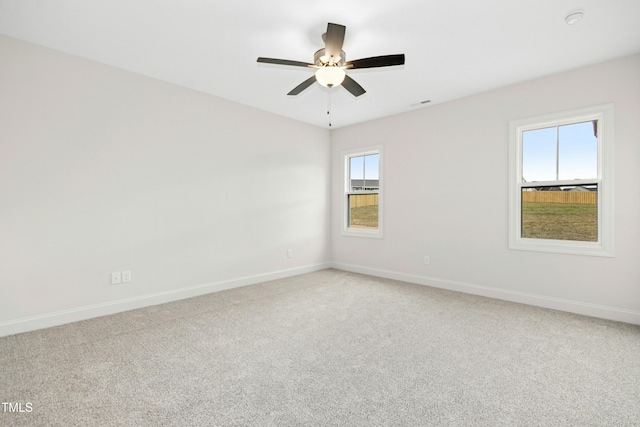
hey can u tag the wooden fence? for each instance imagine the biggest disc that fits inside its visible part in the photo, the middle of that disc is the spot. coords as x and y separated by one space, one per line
360 200
561 197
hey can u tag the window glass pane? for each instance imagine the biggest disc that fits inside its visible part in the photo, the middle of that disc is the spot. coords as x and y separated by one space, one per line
371 166
560 213
578 151
356 173
539 155
363 211
364 172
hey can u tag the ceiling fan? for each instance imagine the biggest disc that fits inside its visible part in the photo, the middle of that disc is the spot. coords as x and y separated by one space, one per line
330 63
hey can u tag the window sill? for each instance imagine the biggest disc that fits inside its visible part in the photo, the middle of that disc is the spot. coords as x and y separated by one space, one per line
362 232
562 247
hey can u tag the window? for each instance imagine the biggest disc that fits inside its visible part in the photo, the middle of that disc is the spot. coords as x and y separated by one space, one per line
363 193
561 175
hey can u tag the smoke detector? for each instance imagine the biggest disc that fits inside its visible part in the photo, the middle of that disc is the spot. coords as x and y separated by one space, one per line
574 17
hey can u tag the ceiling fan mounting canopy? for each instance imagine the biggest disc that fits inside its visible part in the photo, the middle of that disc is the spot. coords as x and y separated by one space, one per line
331 63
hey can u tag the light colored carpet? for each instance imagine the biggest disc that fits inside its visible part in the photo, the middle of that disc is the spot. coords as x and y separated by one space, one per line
327 348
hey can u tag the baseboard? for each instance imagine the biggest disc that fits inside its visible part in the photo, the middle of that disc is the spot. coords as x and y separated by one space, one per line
571 306
96 310
48 320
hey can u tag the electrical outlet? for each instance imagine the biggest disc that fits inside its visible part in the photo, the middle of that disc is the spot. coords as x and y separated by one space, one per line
289 253
116 278
126 276
426 260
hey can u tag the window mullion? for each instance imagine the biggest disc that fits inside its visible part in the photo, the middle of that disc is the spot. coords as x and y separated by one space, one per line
557 153
364 172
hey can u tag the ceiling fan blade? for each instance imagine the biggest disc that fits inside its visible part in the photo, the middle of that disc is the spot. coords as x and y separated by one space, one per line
334 38
284 62
302 86
352 86
376 61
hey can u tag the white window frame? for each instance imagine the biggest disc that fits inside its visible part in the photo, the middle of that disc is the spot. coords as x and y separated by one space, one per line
346 156
604 244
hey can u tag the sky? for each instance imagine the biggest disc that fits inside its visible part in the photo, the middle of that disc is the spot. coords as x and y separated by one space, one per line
366 166
577 154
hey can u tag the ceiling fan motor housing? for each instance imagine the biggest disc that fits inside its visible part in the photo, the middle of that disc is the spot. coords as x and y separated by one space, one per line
320 59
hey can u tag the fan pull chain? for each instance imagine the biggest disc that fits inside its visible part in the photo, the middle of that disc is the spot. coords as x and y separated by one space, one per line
329 109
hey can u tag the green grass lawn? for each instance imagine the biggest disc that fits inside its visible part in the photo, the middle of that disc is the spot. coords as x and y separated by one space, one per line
560 221
539 221
364 217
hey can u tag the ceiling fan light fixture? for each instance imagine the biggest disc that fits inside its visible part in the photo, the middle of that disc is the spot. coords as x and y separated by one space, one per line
330 60
330 76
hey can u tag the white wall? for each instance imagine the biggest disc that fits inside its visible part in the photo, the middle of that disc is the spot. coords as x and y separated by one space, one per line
103 170
446 196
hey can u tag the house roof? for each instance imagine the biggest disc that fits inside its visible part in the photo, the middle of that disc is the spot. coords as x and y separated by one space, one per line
370 183
453 49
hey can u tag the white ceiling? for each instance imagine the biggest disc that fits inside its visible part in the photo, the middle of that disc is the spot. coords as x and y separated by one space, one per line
453 48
